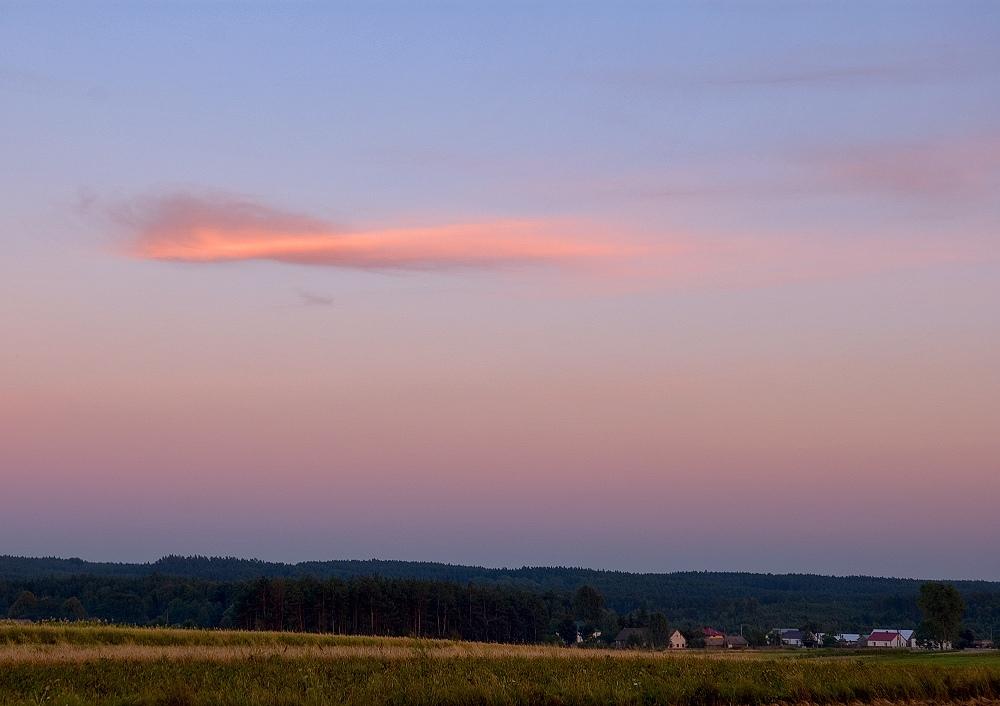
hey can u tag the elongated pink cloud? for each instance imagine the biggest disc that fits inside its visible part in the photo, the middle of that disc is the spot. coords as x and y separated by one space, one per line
212 230
966 166
192 229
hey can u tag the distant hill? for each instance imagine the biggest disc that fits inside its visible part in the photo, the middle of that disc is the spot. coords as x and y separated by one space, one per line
725 599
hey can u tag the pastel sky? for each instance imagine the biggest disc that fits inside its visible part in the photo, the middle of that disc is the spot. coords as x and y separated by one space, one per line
645 286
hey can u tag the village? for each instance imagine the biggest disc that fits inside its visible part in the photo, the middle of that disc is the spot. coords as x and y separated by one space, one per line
710 638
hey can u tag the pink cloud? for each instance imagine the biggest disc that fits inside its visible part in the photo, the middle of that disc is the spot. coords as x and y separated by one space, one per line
941 169
956 167
211 230
193 229
755 260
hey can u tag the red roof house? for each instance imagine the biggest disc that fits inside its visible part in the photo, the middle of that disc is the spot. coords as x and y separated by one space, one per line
886 638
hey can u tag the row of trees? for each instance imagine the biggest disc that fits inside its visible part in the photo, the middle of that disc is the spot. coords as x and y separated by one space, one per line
724 599
376 606
355 606
381 606
358 606
27 606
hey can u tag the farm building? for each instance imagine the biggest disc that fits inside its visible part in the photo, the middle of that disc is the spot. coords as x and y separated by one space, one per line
715 641
848 639
631 637
677 641
904 638
790 637
886 638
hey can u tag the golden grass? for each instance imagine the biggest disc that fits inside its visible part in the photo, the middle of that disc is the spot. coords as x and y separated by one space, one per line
73 665
63 652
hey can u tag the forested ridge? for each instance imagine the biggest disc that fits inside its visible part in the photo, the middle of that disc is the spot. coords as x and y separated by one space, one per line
401 597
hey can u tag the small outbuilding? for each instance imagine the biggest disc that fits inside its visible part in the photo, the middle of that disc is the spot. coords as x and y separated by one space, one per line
736 642
631 637
790 638
715 641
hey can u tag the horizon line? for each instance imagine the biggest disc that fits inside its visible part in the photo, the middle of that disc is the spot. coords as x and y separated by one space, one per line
495 568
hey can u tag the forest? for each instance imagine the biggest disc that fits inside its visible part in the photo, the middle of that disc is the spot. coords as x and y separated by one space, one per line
428 599
356 606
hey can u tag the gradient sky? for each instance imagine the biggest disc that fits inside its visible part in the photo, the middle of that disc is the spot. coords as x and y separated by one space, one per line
644 286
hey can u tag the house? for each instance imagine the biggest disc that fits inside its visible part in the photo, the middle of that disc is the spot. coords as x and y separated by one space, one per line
790 637
631 637
847 639
906 638
677 641
886 638
909 638
736 642
714 638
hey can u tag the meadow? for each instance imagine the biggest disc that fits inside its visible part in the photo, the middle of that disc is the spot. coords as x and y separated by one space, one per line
71 665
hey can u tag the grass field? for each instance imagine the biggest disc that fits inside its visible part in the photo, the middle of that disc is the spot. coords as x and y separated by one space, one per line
90 664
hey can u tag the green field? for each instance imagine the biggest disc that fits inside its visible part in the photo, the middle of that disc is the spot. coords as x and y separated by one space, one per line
90 664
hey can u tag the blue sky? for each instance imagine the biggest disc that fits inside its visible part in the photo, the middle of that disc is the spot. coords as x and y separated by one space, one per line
270 266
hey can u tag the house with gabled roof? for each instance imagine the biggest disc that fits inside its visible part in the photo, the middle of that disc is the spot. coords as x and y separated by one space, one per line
714 638
790 637
736 642
886 638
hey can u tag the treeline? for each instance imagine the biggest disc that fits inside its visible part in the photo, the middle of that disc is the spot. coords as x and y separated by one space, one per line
356 606
150 600
379 606
719 599
371 605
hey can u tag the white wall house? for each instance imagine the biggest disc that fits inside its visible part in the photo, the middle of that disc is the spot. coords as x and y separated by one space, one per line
886 638
677 641
909 639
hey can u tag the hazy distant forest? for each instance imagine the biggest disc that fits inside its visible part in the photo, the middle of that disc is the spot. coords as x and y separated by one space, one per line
441 600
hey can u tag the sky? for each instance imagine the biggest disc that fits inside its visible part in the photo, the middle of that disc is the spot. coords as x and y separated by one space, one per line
641 286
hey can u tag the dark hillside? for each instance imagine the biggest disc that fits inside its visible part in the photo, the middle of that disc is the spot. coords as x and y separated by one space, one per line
717 598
